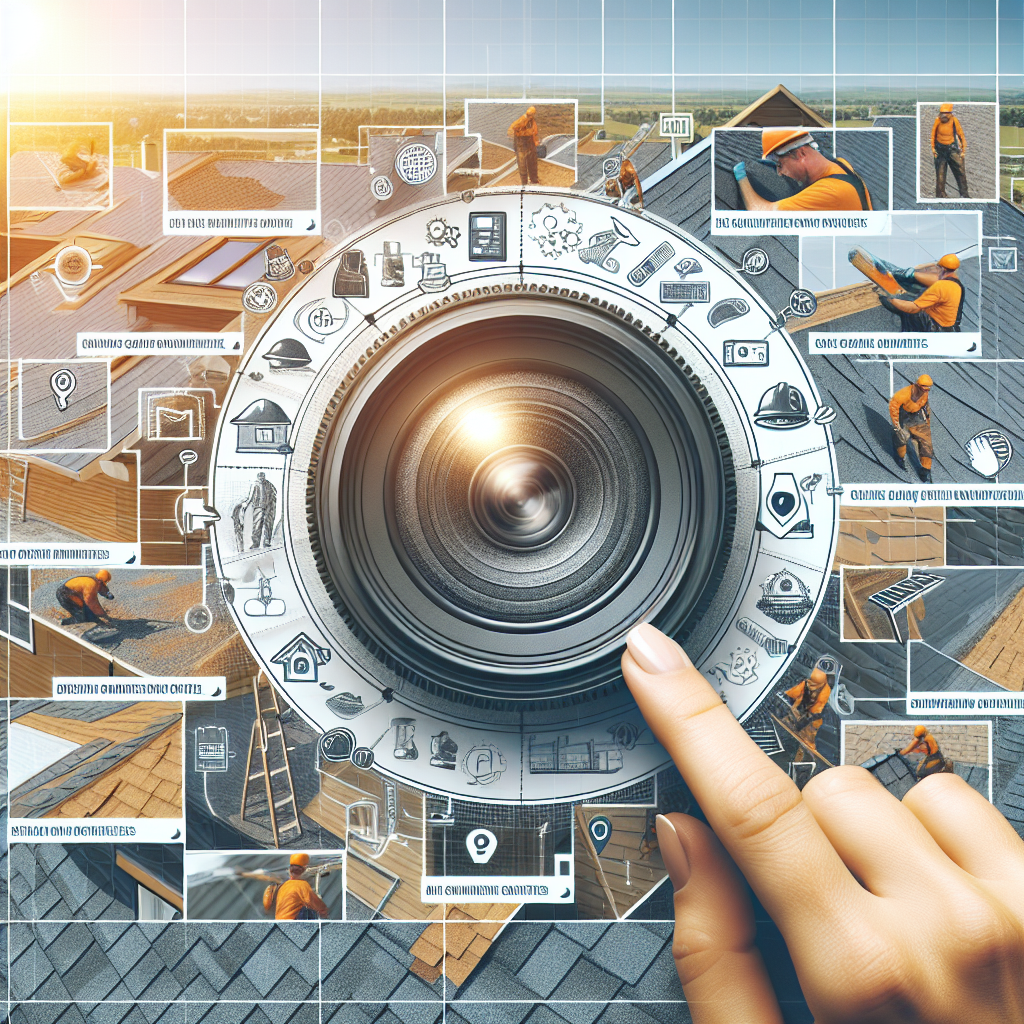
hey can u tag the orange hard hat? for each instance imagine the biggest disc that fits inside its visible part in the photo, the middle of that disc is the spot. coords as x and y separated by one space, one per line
103 575
302 859
920 730
777 141
950 261
818 676
924 381
946 108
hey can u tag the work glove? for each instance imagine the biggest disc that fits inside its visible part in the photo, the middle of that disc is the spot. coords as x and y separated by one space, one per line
739 171
901 436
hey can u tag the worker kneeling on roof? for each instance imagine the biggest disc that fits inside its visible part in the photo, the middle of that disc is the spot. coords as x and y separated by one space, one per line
294 900
80 597
940 306
825 184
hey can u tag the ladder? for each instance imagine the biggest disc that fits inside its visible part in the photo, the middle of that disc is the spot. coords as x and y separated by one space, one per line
14 487
268 760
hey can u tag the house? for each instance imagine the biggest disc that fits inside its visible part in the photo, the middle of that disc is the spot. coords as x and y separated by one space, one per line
301 659
263 427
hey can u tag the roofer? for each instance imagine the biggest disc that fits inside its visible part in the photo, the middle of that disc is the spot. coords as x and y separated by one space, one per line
933 761
525 134
80 161
625 184
807 705
940 306
295 899
80 596
911 417
949 149
825 184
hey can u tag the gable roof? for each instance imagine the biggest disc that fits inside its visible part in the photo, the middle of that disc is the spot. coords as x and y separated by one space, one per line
778 107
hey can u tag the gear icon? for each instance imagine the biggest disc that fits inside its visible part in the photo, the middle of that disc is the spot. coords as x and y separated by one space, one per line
555 229
439 232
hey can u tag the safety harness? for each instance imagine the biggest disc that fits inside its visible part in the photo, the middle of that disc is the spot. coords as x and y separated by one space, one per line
852 178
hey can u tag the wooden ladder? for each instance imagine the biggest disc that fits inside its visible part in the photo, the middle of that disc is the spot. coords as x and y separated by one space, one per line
269 749
14 487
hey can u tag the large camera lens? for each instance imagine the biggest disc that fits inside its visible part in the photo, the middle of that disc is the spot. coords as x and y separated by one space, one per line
499 495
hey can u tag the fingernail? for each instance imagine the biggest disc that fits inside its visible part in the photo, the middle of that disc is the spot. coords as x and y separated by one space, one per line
672 853
654 652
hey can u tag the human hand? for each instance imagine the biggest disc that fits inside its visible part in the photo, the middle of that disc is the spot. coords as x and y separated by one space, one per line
935 154
739 171
984 460
892 910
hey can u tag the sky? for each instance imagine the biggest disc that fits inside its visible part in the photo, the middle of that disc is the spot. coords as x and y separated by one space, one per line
354 45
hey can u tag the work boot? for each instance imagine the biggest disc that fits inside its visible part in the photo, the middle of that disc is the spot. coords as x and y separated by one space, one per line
925 475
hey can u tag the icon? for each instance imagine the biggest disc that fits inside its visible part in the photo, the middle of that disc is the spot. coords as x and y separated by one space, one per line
600 829
305 267
643 272
337 745
481 843
784 598
177 834
392 265
263 427
259 297
782 408
686 266
784 507
586 757
362 757
381 187
196 514
989 452
62 383
443 751
316 321
754 262
1002 261
416 164
826 414
405 746
775 647
188 457
684 291
599 249
727 309
301 659
211 748
484 764
262 499
487 237
287 354
348 705
555 229
433 274
745 353
740 670
808 484
278 264
352 279
611 166
265 605
440 233
74 266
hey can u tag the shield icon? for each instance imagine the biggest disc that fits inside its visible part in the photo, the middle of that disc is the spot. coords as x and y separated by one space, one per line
784 507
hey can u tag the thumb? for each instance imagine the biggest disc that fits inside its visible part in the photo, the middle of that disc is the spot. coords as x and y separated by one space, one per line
723 976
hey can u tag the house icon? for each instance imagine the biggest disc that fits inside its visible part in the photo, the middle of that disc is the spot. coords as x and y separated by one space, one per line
301 658
263 427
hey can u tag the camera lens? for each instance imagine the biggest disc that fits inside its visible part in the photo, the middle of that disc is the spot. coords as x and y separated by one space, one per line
497 497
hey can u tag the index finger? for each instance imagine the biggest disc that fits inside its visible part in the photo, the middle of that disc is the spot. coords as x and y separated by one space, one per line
754 808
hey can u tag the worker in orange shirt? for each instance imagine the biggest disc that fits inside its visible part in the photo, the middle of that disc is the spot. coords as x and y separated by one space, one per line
525 134
80 597
79 160
933 761
619 187
911 417
825 184
949 149
295 899
807 705
940 306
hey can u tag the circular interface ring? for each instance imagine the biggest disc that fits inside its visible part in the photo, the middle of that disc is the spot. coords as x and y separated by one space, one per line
452 509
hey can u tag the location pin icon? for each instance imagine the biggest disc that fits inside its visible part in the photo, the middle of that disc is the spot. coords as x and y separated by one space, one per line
600 829
62 383
481 844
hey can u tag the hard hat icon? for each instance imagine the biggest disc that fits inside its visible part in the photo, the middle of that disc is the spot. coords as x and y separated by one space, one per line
782 408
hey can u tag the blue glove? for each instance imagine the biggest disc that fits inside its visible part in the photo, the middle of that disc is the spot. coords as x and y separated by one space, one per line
739 170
